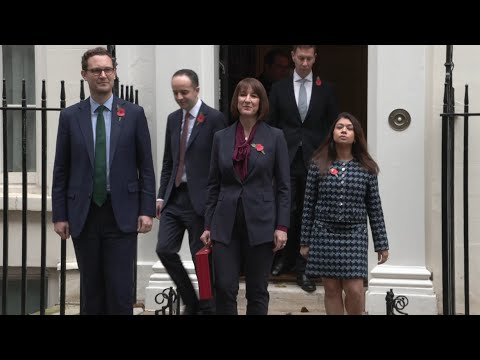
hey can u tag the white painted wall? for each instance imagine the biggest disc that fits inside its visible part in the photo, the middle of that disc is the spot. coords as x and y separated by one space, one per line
397 79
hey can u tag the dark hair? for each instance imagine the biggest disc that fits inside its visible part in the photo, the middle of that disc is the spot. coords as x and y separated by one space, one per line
327 152
192 75
271 55
94 52
257 88
295 47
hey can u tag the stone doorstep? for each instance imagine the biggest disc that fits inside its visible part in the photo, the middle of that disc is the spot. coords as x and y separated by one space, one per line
286 298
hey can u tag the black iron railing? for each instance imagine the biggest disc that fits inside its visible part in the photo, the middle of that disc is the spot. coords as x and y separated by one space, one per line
168 298
43 109
397 303
448 186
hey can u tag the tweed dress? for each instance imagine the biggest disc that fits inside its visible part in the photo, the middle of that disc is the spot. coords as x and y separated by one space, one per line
334 221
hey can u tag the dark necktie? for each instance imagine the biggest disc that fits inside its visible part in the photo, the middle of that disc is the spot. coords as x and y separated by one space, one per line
302 100
183 147
100 178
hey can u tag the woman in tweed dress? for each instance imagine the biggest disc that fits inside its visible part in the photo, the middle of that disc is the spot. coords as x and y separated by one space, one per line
341 190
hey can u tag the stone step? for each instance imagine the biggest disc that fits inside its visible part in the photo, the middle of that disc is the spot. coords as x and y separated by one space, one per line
287 298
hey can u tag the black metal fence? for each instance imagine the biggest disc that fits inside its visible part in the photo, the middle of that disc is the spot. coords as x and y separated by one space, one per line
395 303
449 117
43 109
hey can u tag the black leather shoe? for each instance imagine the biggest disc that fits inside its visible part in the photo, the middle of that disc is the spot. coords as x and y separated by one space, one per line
190 310
306 283
278 267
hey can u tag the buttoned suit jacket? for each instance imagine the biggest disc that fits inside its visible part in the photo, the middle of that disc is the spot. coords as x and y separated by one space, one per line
197 155
284 114
265 192
132 177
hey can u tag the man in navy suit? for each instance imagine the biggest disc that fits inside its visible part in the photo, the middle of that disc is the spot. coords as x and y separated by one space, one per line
304 107
276 66
183 184
103 191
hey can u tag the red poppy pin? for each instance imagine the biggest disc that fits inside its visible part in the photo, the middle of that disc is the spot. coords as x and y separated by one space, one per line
120 112
334 171
200 118
318 82
259 148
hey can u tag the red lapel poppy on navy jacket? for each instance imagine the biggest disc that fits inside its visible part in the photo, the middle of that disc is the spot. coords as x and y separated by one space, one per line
322 111
265 191
197 155
132 187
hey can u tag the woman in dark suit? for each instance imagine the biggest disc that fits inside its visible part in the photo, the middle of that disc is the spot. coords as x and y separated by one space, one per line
248 206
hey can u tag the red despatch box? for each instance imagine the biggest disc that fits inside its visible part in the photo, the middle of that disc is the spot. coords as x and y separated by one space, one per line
205 273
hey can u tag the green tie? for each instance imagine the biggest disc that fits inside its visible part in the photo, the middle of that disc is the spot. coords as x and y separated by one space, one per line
100 179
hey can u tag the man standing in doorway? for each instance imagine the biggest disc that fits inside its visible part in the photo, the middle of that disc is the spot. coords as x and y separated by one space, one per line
103 191
276 66
183 184
304 107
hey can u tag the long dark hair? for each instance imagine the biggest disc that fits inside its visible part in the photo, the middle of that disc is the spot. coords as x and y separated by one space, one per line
327 152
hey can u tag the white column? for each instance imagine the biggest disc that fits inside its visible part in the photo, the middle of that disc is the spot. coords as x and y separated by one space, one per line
398 78
203 59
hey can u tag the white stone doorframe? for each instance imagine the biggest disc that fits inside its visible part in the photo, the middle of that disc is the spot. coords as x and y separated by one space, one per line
398 78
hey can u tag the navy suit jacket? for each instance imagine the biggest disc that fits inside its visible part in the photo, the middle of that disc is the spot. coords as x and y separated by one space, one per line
265 191
197 155
284 114
132 177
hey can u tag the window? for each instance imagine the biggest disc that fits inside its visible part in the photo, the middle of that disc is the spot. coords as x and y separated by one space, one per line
18 62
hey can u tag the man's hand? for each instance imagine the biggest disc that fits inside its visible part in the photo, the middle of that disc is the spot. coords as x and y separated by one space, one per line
159 208
144 224
63 229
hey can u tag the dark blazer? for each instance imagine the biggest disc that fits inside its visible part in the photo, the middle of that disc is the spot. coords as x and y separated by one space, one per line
265 191
284 114
197 155
132 177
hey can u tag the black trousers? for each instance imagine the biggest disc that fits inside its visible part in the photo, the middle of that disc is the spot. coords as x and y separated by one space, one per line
229 260
298 180
177 217
105 257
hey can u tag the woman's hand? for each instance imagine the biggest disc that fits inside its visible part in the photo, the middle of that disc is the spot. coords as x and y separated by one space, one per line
280 240
206 238
382 256
304 251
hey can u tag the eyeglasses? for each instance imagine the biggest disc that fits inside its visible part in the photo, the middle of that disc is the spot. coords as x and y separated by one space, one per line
97 71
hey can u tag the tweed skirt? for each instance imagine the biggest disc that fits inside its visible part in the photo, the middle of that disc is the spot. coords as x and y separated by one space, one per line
339 250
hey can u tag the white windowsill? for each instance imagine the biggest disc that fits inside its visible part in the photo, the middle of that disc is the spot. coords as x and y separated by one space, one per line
34 202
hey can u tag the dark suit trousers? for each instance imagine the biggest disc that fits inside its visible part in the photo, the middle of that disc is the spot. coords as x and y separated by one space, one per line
177 217
298 180
105 257
230 259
